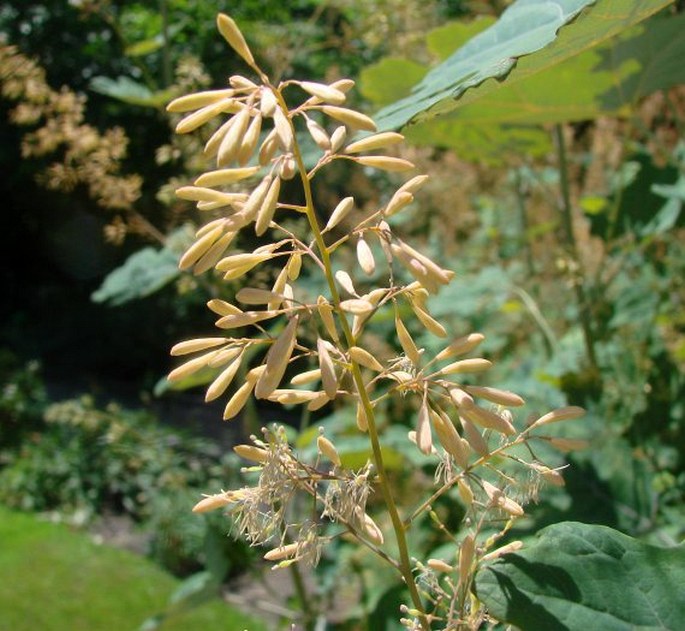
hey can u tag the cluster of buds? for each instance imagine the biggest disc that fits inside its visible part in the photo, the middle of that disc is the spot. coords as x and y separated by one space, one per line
455 421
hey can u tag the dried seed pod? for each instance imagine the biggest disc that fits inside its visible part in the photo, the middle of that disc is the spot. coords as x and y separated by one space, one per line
365 257
198 100
277 359
377 141
225 176
231 33
352 119
339 213
385 163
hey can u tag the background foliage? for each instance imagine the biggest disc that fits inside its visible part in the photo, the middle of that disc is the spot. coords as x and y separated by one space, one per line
556 197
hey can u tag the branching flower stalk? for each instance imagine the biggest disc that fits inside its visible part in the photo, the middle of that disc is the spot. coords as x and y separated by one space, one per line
477 446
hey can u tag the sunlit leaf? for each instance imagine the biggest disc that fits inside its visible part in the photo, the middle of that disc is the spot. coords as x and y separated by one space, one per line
578 577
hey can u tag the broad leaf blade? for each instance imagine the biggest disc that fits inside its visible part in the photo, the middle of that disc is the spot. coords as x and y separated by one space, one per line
577 577
506 49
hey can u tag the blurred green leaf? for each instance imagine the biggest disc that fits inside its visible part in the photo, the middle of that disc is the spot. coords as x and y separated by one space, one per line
578 577
505 51
129 91
143 273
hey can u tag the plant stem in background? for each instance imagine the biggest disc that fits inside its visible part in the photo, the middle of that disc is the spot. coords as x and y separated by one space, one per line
572 249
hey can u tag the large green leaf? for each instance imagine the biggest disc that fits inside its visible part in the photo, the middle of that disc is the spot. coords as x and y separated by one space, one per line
577 577
605 80
143 273
129 91
505 50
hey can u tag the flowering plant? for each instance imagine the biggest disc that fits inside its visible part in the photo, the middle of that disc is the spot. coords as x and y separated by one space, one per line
466 430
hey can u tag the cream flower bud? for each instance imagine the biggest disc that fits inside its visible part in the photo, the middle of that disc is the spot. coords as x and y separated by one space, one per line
231 33
352 119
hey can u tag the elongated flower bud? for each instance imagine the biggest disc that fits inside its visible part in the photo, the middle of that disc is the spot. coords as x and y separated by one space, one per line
231 33
327 93
339 213
365 257
385 163
277 360
328 377
225 176
364 358
327 448
219 385
561 414
199 344
352 119
377 141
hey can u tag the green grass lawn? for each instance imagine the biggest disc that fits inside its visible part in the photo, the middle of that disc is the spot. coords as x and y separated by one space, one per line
57 580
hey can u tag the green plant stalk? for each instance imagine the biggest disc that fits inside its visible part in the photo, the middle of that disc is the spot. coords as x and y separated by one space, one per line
398 526
572 249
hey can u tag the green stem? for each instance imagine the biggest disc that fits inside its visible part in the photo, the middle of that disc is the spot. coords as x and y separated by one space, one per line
400 534
301 590
572 248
